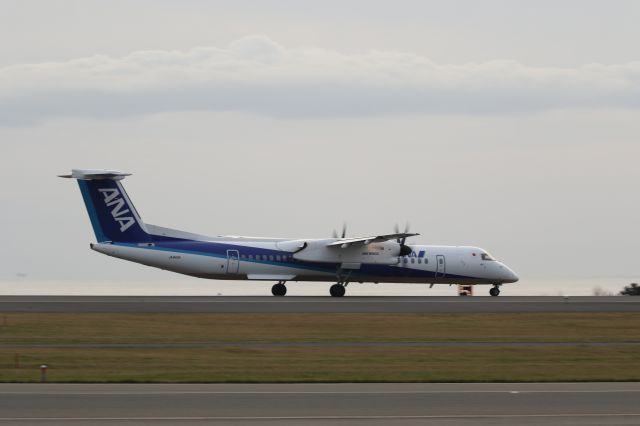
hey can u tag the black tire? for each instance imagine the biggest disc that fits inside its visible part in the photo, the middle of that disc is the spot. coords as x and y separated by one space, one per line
279 290
495 291
337 290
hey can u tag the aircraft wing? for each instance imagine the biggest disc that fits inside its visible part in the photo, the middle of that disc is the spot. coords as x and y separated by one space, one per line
346 242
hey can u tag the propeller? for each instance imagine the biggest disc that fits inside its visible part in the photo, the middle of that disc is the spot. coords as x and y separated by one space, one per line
404 249
344 231
406 231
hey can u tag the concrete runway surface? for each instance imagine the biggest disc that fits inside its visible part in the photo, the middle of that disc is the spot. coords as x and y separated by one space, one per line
353 304
322 404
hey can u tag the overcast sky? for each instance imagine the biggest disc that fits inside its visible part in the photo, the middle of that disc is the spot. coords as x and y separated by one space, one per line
510 125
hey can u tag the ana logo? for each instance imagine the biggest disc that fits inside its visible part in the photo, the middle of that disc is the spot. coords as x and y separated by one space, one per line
112 199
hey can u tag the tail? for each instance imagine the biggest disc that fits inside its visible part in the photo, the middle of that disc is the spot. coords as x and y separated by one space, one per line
112 214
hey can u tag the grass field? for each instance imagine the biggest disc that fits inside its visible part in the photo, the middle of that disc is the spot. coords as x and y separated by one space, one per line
283 363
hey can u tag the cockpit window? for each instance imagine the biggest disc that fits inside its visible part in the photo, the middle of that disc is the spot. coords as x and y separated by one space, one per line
487 256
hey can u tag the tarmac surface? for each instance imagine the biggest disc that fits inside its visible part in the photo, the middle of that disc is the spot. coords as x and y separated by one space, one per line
322 404
347 304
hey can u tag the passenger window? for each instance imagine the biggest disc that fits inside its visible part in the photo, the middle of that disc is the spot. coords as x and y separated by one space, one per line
278 258
413 260
419 260
406 260
270 257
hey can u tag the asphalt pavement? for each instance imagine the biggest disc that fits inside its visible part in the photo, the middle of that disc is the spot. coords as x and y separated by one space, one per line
298 304
322 404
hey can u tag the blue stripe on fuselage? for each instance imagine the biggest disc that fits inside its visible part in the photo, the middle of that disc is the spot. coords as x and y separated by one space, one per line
219 250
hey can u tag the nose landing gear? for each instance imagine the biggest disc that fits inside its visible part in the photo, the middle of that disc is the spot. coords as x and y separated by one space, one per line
495 290
279 289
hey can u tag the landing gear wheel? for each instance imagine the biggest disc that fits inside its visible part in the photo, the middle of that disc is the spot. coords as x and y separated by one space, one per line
337 290
279 289
495 291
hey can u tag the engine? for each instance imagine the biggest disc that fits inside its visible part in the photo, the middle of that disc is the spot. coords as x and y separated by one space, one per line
383 253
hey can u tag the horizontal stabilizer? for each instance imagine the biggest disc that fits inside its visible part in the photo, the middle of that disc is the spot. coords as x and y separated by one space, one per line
89 174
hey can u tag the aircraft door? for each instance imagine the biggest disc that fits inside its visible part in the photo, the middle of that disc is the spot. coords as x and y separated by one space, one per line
441 266
233 261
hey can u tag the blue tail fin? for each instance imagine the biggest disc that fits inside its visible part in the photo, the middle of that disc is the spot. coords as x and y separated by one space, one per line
112 214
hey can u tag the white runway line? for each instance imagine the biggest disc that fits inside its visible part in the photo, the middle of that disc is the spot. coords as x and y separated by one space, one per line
417 392
283 418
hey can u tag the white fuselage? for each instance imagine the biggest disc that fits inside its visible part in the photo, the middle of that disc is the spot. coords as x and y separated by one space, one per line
269 259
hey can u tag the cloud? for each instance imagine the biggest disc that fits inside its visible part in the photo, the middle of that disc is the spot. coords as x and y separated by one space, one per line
256 75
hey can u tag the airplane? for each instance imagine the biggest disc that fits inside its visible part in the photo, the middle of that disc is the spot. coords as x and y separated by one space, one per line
382 258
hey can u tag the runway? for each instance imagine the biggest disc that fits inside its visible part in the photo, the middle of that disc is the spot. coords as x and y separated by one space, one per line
322 404
348 304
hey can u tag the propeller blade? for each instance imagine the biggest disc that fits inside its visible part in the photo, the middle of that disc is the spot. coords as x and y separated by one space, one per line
344 229
406 231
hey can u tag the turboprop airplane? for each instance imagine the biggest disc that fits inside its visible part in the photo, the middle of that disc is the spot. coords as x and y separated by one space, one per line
121 233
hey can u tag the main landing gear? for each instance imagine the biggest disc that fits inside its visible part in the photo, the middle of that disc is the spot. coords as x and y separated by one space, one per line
337 290
495 290
340 288
279 289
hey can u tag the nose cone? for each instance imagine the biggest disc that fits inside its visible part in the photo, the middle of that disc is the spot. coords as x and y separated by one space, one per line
508 276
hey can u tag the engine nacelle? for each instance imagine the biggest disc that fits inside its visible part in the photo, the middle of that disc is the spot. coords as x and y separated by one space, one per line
384 253
404 250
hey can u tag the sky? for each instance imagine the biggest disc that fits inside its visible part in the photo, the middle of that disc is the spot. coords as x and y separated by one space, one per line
509 125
